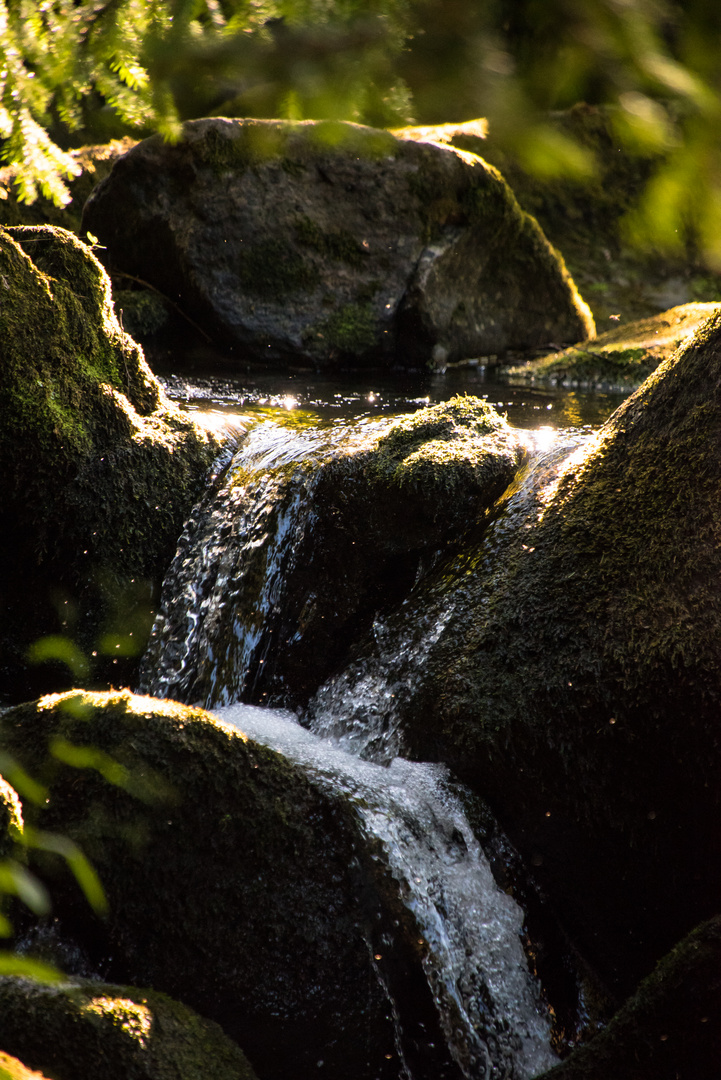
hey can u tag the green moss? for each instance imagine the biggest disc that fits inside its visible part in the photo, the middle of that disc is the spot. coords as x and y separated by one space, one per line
351 329
83 1029
339 244
98 469
272 268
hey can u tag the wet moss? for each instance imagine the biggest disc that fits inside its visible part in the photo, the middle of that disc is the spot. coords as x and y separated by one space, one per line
622 357
351 330
82 1030
442 447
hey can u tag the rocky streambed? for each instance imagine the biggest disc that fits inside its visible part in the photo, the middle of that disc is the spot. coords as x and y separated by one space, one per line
478 829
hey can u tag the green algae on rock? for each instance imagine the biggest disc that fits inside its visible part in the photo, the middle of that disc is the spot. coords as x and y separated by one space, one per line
82 1030
334 244
97 468
619 359
245 889
670 1029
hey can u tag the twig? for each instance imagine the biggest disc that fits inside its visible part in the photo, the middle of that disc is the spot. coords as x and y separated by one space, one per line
147 285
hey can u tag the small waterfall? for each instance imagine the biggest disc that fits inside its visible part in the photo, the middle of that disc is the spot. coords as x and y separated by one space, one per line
223 594
218 624
475 965
359 707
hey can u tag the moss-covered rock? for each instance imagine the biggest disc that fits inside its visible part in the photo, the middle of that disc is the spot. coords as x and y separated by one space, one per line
576 684
322 540
619 359
587 217
82 1030
244 889
670 1029
334 244
97 468
12 1069
11 817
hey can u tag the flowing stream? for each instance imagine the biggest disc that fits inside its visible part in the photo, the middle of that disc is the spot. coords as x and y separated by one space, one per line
210 641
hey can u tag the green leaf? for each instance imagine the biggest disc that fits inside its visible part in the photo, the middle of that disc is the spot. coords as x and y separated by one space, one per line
84 873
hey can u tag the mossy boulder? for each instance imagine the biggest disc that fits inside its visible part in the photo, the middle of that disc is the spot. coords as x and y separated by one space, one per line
97 469
11 818
575 682
82 1030
334 244
238 884
588 218
670 1029
619 359
322 541
12 1069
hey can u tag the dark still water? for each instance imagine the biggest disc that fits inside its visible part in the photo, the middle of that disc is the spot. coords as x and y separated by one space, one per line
325 398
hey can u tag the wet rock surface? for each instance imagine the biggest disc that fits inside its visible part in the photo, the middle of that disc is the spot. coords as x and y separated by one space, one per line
81 1030
236 883
670 1029
620 358
305 540
575 680
97 469
334 244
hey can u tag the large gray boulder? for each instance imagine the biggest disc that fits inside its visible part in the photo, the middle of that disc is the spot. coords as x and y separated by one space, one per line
334 244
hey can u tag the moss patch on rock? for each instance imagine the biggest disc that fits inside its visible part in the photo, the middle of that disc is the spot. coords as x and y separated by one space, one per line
619 359
81 1030
98 468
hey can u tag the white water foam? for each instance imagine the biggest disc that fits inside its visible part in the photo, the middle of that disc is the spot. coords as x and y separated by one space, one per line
488 1002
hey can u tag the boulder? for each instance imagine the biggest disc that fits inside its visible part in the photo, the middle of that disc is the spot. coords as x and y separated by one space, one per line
575 679
82 1030
12 1069
237 883
618 359
670 1029
334 244
313 542
97 469
590 216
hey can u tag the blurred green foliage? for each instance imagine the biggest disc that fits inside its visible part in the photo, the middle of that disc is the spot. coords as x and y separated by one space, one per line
91 69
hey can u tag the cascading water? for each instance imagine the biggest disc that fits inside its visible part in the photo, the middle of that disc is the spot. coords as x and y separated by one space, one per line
216 629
